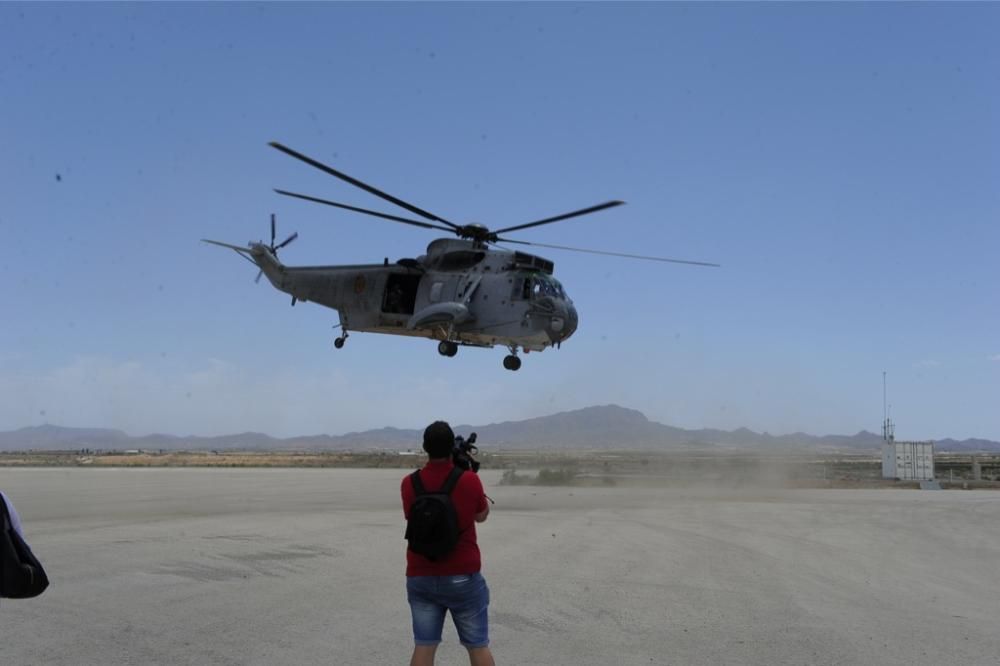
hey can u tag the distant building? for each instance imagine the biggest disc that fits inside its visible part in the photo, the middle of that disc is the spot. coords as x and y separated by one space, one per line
906 461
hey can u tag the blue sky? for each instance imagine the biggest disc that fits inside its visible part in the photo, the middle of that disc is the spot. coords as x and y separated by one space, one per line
839 160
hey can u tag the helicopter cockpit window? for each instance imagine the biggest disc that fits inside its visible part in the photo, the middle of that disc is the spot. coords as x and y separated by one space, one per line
520 289
544 287
537 286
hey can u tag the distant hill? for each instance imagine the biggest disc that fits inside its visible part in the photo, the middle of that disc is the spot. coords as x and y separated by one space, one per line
48 437
966 445
607 427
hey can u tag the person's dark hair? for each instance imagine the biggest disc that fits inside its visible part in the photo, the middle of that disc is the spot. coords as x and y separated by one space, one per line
439 440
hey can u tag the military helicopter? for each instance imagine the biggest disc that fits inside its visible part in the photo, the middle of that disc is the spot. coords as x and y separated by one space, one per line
465 291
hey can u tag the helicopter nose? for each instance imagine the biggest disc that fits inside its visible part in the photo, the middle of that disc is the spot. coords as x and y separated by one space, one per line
572 320
562 323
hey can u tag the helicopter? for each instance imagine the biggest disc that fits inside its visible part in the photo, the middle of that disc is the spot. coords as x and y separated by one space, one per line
464 291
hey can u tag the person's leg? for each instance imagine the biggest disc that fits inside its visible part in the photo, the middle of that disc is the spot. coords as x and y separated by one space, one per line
469 602
480 657
423 655
427 616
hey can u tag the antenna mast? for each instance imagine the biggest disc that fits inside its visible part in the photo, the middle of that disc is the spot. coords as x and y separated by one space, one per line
888 432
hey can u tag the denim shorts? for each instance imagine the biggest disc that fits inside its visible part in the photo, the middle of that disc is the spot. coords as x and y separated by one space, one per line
465 595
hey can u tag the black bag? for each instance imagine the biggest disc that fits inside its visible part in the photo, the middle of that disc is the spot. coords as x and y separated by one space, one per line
21 574
432 528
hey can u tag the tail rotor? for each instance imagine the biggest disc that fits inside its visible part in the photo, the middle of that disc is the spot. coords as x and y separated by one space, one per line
274 248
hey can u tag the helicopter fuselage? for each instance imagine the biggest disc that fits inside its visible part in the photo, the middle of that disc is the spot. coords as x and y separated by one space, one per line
460 292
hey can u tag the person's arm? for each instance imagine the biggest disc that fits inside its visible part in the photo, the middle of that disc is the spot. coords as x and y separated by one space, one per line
483 508
405 491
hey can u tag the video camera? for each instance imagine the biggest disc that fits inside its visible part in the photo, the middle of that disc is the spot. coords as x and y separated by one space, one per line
463 452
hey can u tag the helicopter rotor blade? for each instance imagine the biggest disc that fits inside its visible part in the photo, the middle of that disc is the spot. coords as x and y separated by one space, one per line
364 186
272 229
612 254
286 241
386 216
565 216
256 280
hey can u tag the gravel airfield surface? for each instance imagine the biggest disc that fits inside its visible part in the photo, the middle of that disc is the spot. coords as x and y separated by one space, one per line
305 566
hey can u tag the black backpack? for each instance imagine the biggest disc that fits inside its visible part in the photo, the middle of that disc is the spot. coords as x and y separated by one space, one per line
21 574
432 528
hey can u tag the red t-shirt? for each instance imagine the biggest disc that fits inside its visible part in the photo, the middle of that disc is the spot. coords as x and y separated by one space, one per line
469 499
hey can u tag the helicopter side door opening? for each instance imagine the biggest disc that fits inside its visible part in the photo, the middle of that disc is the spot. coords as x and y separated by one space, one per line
400 295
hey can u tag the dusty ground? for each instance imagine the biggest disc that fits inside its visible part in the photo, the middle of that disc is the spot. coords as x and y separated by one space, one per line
305 566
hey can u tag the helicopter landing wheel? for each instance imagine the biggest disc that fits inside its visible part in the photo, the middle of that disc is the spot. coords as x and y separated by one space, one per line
339 342
447 348
511 362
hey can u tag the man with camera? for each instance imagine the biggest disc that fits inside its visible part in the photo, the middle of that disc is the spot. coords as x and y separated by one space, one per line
442 503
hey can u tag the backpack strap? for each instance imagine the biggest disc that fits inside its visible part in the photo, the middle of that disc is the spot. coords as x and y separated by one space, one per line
5 522
418 485
452 480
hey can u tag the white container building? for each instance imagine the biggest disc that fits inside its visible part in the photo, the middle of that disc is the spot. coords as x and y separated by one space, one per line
907 461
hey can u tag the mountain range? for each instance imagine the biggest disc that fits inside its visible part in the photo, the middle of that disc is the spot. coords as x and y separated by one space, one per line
607 427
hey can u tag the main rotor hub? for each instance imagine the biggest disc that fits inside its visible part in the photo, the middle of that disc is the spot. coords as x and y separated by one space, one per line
476 232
